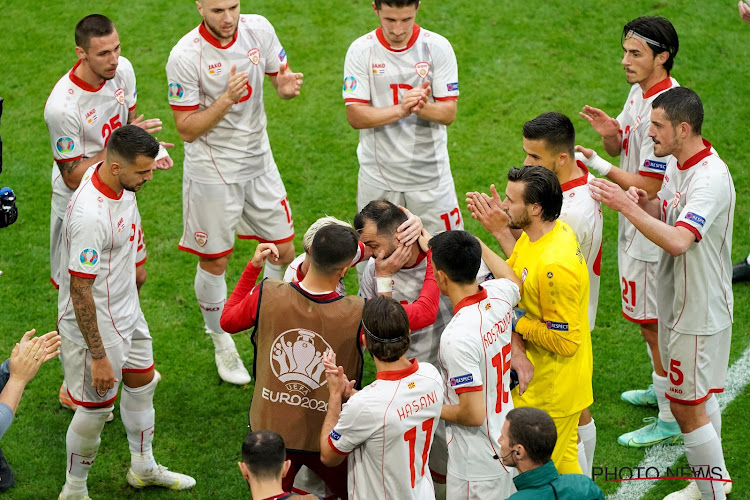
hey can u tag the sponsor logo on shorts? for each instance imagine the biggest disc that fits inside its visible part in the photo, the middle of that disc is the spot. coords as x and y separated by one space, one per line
557 325
214 69
120 96
461 379
175 91
282 54
422 68
378 68
297 360
254 55
350 84
695 218
655 165
200 238
65 145
89 257
453 87
335 435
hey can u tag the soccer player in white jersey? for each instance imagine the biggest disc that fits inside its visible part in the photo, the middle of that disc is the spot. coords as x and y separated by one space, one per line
650 45
691 221
549 141
388 427
105 338
94 98
230 182
475 358
401 91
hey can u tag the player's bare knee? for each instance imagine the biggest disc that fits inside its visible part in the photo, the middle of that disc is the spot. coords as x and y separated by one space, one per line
134 380
215 266
286 253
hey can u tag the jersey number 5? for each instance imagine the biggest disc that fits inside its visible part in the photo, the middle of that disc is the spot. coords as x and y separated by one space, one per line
108 128
410 437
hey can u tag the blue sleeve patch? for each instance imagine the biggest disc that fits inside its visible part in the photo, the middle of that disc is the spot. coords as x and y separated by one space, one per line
453 87
557 325
655 165
461 379
691 216
282 55
335 435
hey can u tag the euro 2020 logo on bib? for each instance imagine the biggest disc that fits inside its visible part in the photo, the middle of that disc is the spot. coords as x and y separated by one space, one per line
297 360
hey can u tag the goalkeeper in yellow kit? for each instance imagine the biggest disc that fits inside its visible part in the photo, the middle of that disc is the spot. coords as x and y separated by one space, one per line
551 340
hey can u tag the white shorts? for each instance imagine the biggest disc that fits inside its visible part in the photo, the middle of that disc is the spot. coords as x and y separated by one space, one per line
133 354
438 208
499 488
638 287
55 247
257 209
696 365
438 460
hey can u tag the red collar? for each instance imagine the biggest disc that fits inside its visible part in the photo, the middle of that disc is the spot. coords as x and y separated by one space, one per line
693 160
399 374
659 87
81 83
471 299
420 258
103 188
384 42
299 274
210 38
578 181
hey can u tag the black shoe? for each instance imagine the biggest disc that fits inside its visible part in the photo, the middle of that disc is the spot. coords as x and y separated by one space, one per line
7 481
741 272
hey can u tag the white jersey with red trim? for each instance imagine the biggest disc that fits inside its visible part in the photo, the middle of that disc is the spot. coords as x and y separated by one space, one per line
410 154
637 157
388 428
237 148
81 118
101 241
696 287
584 216
294 272
475 356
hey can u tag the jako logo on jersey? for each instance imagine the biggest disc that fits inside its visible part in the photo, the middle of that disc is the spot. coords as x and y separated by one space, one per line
120 225
422 68
91 116
695 218
201 238
378 68
254 56
282 55
214 69
462 379
335 435
452 87
297 360
175 91
350 84
65 145
557 325
655 165
89 257
120 96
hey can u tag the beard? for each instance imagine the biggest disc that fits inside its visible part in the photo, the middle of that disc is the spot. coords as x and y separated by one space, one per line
521 222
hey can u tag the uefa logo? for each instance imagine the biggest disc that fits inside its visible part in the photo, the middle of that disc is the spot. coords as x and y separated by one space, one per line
297 360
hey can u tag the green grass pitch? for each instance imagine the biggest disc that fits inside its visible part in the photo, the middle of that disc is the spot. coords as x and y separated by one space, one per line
516 59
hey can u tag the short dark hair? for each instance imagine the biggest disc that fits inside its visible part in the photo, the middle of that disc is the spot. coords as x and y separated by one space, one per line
555 129
264 453
458 254
396 3
658 30
535 430
681 104
541 186
92 26
386 319
128 142
385 215
333 247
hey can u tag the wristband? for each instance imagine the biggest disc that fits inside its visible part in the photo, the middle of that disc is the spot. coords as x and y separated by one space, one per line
598 164
162 153
385 284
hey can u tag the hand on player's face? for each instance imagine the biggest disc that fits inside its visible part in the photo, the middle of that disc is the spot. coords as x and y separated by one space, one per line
408 232
388 266
237 84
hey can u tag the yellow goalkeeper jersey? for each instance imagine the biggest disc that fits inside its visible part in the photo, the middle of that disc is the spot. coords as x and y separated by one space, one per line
556 325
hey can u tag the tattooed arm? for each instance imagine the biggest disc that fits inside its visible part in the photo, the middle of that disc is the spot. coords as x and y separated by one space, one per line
81 294
72 171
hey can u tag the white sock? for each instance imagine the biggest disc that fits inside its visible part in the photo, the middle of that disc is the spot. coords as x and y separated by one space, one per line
272 271
138 416
211 292
582 459
714 414
82 443
660 387
587 433
704 454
